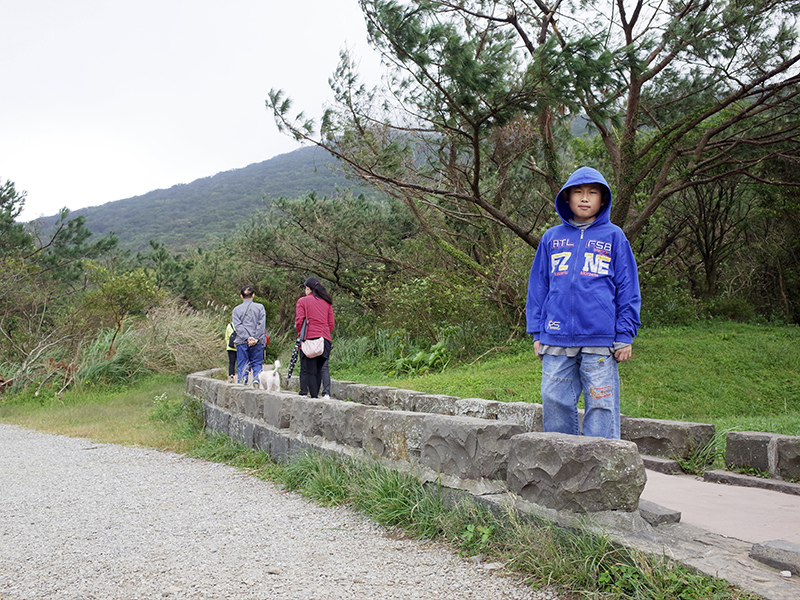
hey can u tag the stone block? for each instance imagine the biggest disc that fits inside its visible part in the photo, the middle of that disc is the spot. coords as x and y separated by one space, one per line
380 395
439 404
344 422
764 483
661 464
338 388
277 408
279 447
527 414
576 473
785 457
235 397
779 554
198 386
747 449
197 382
203 387
656 515
253 404
224 398
216 418
192 385
270 441
296 448
397 398
406 399
466 447
394 434
241 430
355 392
305 416
477 408
211 373
670 439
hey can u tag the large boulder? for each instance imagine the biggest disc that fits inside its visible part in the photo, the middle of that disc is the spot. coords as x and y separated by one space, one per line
576 473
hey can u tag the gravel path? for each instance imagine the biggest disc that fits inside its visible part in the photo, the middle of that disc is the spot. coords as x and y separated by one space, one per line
81 520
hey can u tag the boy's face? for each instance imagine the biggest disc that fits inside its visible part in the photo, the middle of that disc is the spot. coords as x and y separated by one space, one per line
585 201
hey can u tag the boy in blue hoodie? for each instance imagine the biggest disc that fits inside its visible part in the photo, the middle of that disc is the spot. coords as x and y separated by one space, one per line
583 309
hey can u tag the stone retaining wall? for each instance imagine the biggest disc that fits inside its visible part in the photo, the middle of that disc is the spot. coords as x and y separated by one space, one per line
494 451
654 437
474 445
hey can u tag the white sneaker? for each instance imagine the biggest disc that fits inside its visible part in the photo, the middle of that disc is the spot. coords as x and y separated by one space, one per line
326 397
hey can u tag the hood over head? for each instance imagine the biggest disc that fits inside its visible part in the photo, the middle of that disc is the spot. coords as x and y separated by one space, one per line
579 177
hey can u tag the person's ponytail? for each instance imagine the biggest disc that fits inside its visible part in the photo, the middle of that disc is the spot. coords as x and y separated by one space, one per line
318 289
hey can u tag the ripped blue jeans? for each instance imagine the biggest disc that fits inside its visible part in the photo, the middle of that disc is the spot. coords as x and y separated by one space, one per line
563 380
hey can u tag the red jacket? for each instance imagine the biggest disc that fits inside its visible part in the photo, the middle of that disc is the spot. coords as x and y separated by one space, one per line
319 314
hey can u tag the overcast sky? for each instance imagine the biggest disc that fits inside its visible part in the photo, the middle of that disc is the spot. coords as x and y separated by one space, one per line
107 99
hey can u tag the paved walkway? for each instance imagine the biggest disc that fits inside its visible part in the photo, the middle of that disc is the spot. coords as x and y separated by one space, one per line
748 514
718 528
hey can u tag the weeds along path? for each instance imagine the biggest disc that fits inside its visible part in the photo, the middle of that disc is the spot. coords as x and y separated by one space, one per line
87 520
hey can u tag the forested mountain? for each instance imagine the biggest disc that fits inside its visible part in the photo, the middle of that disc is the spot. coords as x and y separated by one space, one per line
203 212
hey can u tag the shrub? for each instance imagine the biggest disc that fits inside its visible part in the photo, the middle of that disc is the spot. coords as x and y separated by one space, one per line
666 302
731 309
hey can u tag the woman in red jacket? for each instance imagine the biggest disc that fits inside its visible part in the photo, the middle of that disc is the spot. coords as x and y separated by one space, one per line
316 306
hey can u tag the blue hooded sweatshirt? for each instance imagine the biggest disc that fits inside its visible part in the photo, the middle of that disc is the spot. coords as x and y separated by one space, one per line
583 288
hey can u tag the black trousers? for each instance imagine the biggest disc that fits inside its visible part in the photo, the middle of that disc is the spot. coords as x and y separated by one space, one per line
311 371
231 362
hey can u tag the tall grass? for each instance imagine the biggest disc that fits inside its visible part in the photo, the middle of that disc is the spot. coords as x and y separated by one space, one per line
102 363
177 339
170 339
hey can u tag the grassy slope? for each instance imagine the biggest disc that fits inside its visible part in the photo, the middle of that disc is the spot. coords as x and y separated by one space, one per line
733 375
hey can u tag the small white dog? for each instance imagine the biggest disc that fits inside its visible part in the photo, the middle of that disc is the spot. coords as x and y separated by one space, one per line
270 380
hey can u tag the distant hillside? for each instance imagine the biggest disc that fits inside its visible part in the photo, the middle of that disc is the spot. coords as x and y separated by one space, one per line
203 212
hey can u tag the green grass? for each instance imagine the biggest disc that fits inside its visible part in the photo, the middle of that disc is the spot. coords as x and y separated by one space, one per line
114 415
736 376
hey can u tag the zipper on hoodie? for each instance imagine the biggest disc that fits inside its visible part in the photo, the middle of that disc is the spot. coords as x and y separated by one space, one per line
573 287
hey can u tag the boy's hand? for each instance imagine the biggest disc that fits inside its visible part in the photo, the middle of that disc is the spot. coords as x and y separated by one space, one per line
536 346
624 353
